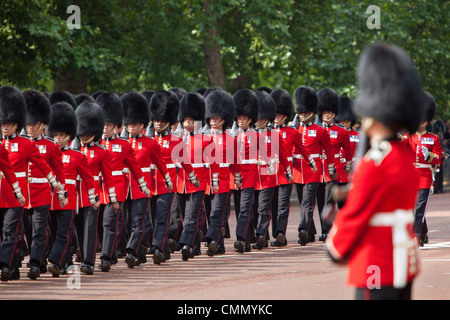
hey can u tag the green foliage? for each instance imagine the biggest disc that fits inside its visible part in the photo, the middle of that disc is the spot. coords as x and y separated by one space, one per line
157 44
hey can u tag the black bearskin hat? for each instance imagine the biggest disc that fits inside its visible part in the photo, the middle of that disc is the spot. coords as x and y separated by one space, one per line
135 108
164 105
13 107
192 105
328 101
148 94
90 120
346 110
38 107
266 89
180 92
390 87
112 108
62 119
82 97
283 102
63 95
267 107
246 103
305 100
219 103
430 107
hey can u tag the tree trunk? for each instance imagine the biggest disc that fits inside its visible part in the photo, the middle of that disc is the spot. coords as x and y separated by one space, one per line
74 82
213 58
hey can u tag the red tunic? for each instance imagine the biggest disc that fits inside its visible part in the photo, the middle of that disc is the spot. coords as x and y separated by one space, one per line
373 232
342 176
194 154
75 164
339 139
123 159
424 168
248 145
40 189
271 148
291 141
7 171
99 165
21 151
315 139
147 152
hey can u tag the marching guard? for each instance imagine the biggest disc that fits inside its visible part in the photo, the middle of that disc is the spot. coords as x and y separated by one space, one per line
164 106
373 232
62 128
291 140
307 177
148 153
90 124
428 151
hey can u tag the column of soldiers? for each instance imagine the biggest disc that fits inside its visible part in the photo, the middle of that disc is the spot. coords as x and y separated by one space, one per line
133 174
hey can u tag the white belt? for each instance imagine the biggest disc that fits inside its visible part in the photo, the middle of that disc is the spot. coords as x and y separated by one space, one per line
197 165
224 165
422 165
117 173
96 178
38 180
126 170
299 156
401 240
337 155
251 161
21 174
290 158
171 165
146 169
71 181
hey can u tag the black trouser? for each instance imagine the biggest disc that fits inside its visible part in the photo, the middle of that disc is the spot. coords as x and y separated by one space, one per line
324 199
280 208
111 225
87 221
217 217
263 198
139 210
11 236
244 224
384 293
306 194
176 218
420 224
192 204
163 208
35 223
61 250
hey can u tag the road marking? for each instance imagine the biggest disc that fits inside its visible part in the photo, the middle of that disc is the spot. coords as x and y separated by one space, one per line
438 245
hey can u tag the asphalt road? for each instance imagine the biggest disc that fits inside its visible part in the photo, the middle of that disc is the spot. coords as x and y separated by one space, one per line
293 272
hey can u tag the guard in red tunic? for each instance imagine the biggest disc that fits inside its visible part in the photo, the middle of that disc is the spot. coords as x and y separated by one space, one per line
315 140
246 113
91 121
291 140
35 218
62 128
219 112
271 159
164 107
191 195
373 232
21 151
428 151
328 109
148 153
123 159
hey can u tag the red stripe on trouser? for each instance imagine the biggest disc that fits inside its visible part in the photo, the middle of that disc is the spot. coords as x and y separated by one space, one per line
224 208
19 225
116 234
68 240
197 229
143 228
167 223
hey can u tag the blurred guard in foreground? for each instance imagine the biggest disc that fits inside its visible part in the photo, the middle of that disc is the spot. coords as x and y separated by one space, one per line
373 232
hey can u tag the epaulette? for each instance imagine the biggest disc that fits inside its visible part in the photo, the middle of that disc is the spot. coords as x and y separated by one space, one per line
25 136
100 145
379 150
50 139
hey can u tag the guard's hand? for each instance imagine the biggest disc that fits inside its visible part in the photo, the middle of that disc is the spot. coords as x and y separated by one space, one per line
115 206
148 193
96 205
21 201
314 168
63 202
